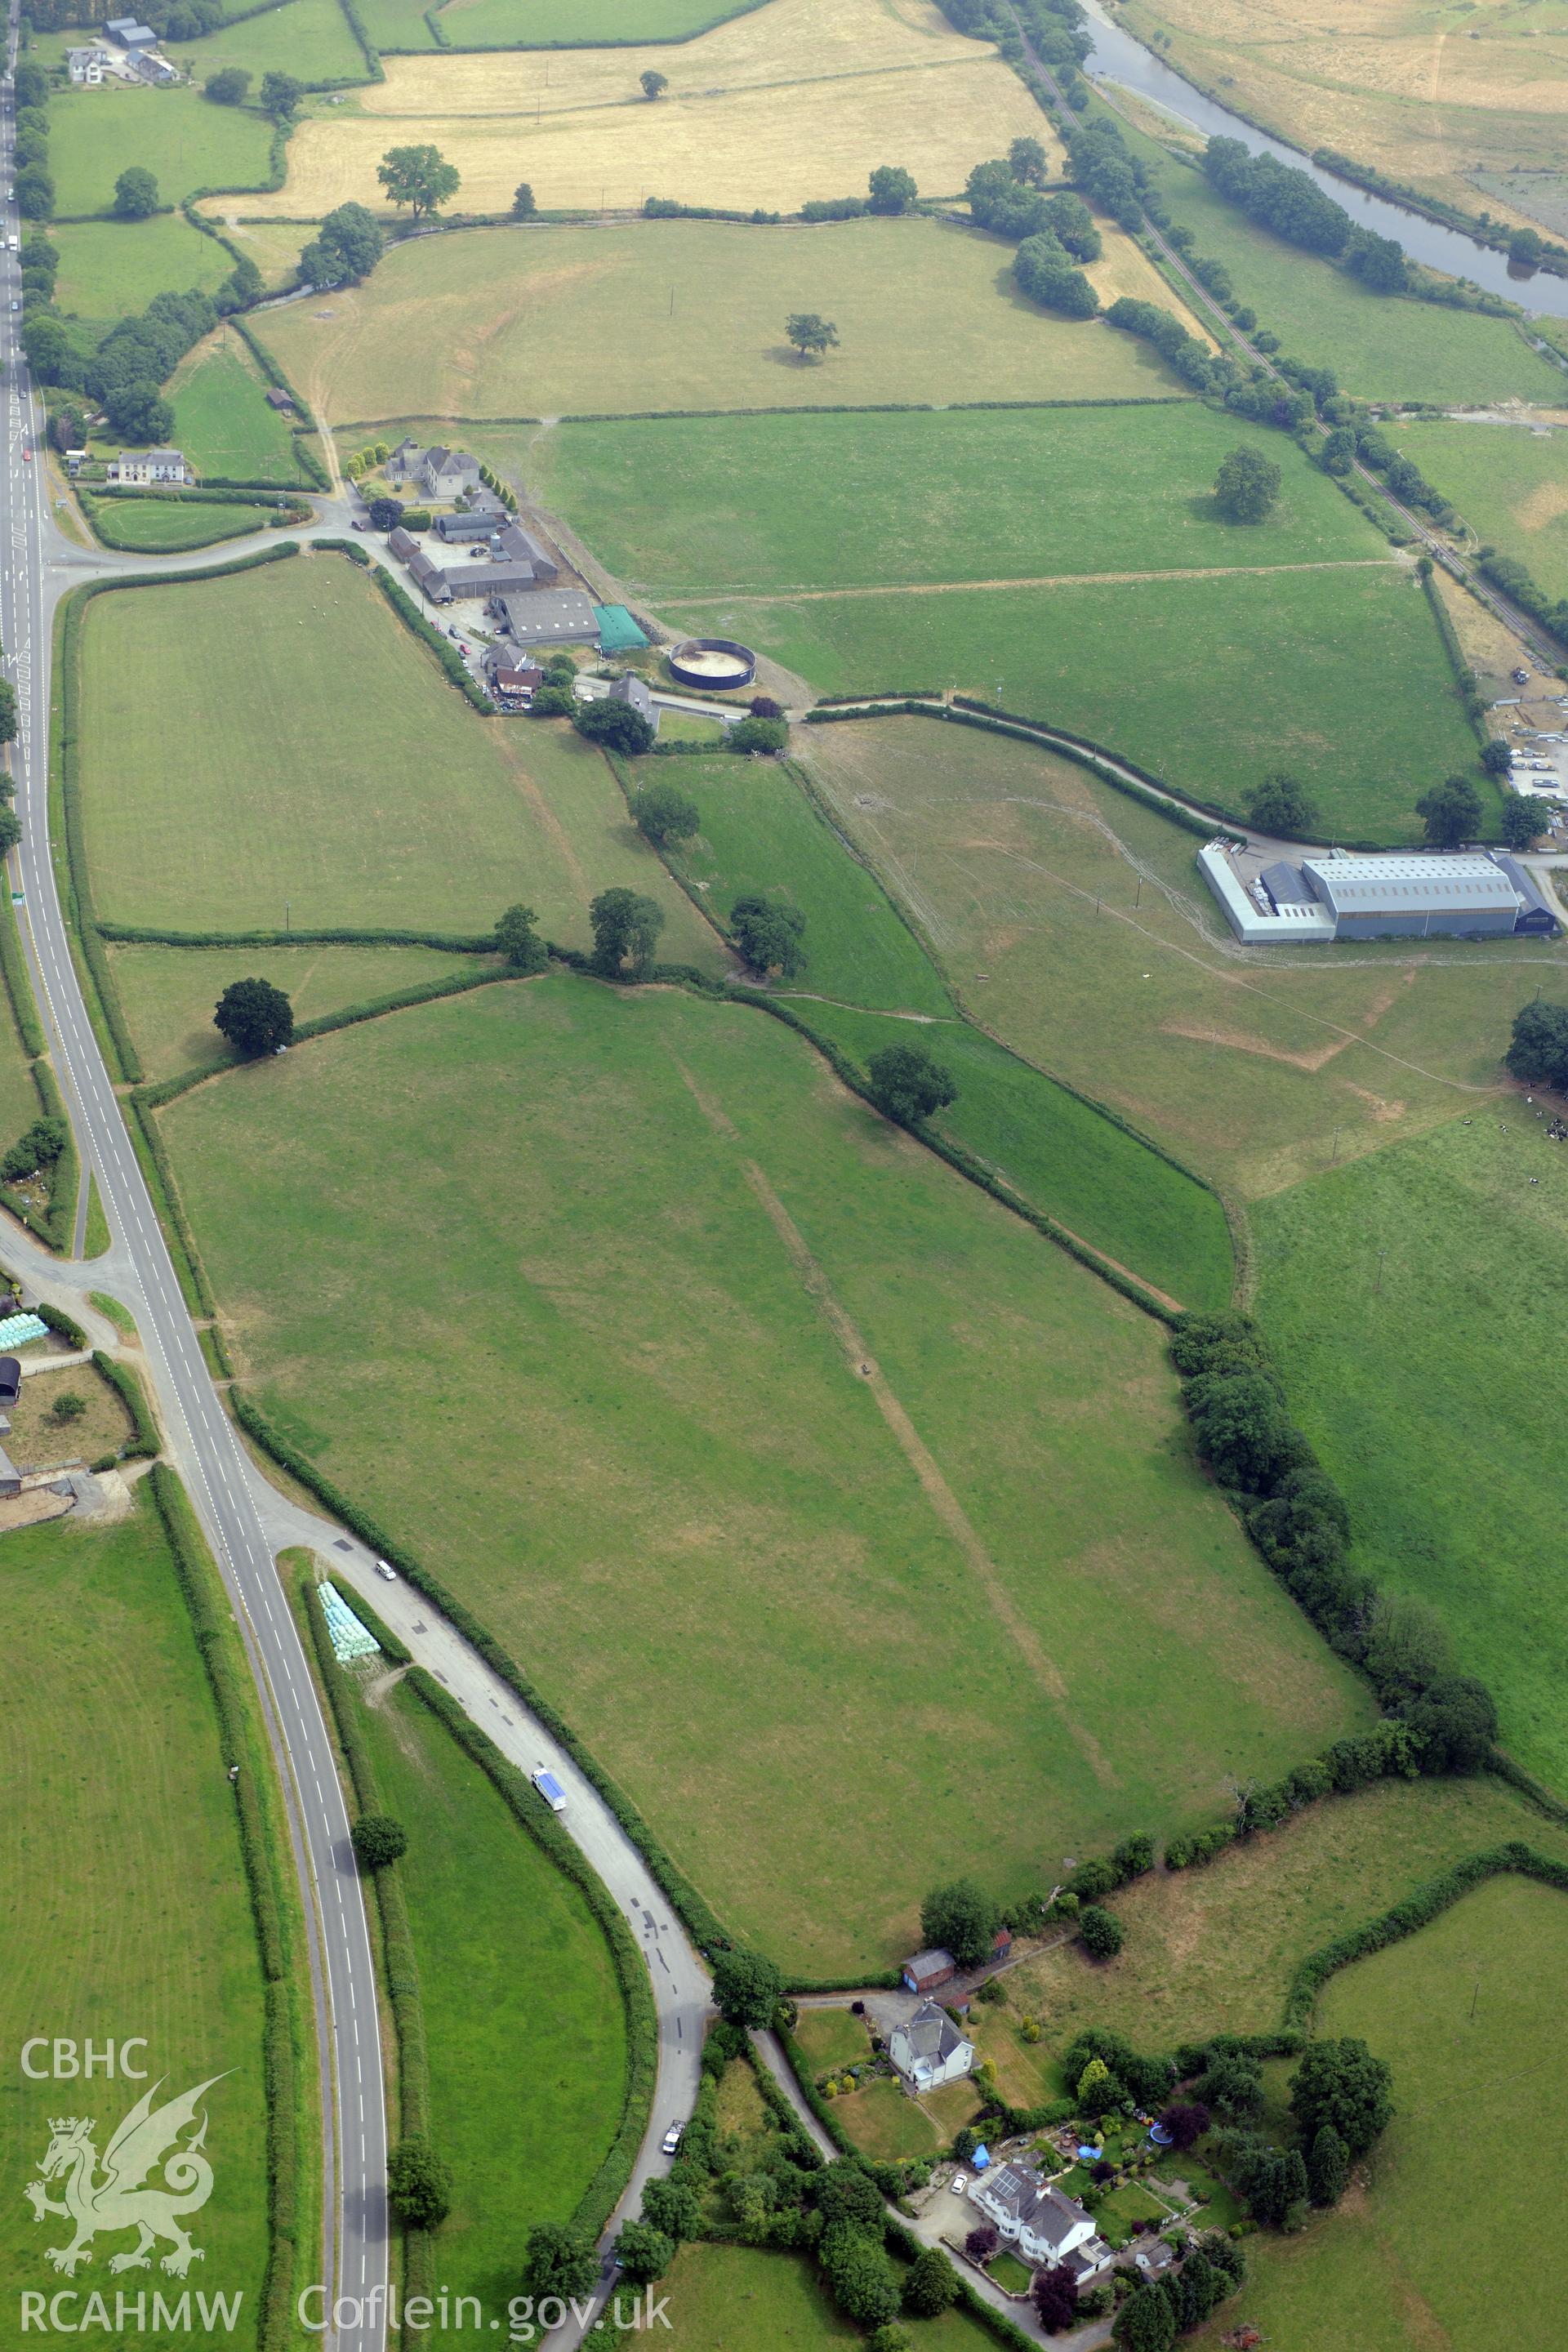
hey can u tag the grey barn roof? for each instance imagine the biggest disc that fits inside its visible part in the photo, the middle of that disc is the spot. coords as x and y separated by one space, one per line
550 616
1408 886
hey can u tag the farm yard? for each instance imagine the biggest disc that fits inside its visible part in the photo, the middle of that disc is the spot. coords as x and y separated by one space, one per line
754 1568
547 321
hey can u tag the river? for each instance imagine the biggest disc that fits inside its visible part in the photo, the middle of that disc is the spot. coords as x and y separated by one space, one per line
1120 58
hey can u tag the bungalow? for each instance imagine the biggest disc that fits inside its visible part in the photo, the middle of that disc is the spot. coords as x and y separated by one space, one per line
149 66
148 465
1044 2226
929 1970
928 2050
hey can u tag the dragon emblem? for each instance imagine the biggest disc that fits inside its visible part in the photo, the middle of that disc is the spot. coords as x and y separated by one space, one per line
116 2199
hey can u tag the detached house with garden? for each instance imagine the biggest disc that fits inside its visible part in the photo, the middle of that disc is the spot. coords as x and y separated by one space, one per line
1041 2225
928 2050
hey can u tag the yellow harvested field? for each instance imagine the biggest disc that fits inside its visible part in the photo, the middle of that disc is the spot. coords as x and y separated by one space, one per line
796 100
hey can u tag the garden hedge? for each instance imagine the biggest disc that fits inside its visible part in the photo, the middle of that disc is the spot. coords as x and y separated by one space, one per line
145 1441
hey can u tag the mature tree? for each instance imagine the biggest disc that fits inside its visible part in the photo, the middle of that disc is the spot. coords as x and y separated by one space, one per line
255 1017
31 84
1281 803
961 1919
34 192
1456 1720
665 813
769 934
1054 2294
385 514
1027 161
556 698
418 2185
1327 2166
856 2266
893 189
810 334
1047 275
138 411
1069 220
931 2284
644 2252
1000 202
1240 1425
10 830
1407 1647
522 205
378 1841
654 85
1337 454
1145 2322
756 733
1538 1052
674 2207
844 2191
1525 248
517 937
1273 2180
230 86
347 250
763 706
1231 2084
39 1145
1451 812
280 95
1100 1932
1186 2121
1339 2082
1098 2089
983 2241
747 1985
559 2262
7 711
418 177
909 1086
1497 760
1246 485
616 724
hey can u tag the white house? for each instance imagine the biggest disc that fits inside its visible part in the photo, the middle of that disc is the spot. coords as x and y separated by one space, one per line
1042 2225
85 66
928 2049
148 465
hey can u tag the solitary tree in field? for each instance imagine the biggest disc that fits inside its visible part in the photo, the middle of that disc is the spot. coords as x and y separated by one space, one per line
769 934
419 177
418 2185
892 189
1027 161
522 205
378 1841
517 937
1451 811
280 95
654 85
1340 2083
1246 485
255 1017
230 86
68 1406
811 335
1100 1932
1539 1051
1280 805
665 813
909 1086
625 929
135 194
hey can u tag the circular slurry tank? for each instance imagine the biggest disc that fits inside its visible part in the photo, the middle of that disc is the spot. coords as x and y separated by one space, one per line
716 664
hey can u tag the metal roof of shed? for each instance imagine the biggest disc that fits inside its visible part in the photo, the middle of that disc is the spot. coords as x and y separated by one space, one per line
1397 885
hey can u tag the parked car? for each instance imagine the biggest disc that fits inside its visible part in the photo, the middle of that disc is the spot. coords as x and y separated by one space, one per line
672 2139
384 1568
551 1790
959 2183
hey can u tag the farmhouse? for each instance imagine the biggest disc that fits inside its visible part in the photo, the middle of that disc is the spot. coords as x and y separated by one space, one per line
928 2050
1045 2226
549 616
85 66
1480 895
441 473
148 465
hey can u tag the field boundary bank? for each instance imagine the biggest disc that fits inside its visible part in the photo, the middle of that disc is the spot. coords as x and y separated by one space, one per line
258 1800
778 408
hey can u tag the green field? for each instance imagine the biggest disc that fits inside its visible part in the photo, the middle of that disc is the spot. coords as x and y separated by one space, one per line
310 38
184 140
712 505
688 314
753 2299
1380 347
688 1242
222 421
524 2022
577 24
368 794
1434 1408
1511 487
1339 676
1075 924
166 525
128 1913
109 268
1467 2014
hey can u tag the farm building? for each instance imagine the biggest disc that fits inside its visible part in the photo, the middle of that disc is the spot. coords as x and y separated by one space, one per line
928 2050
483 514
426 576
550 616
929 1970
1480 894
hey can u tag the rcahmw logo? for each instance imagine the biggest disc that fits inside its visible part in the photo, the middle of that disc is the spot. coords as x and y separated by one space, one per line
154 2176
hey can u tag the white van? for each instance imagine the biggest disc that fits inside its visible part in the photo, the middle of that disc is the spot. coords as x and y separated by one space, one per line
551 1790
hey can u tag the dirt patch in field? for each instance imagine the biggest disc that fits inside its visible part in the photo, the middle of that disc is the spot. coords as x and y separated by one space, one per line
1546 504
1206 1034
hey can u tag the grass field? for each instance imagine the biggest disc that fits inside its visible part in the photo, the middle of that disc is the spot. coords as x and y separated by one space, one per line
168 525
1378 347
37 1441
184 140
884 2122
1208 683
128 1909
689 314
1510 487
800 98
831 2037
222 421
1438 1417
753 2299
1075 924
691 1224
274 246
401 24
524 2022
1466 2015
712 506
310 38
108 267
369 794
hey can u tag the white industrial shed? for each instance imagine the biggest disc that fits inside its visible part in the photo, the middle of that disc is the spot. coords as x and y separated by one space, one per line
1402 895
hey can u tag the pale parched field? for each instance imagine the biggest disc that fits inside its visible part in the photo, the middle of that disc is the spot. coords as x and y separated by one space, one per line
691 314
757 114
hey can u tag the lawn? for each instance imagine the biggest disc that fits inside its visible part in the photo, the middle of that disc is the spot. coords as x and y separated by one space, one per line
1510 486
794 100
40 1440
523 2019
222 421
755 2299
181 137
884 2123
169 993
712 505
1339 676
368 793
165 526
128 1911
1436 1413
761 833
310 38
555 321
832 2037
1467 2014
874 1614
110 266
1074 923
